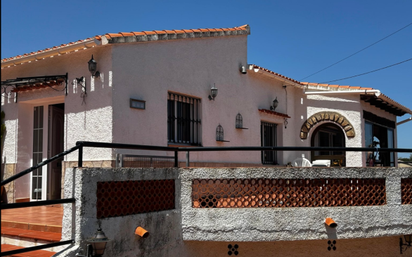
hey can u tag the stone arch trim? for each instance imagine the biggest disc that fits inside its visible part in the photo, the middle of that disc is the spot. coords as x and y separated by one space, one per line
335 117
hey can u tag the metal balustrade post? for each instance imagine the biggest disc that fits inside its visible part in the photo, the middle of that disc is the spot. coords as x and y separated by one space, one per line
176 159
187 159
80 158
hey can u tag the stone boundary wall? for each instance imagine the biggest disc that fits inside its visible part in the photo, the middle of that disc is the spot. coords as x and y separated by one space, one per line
295 223
179 231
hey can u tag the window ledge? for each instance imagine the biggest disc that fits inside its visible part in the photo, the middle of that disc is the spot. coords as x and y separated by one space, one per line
183 145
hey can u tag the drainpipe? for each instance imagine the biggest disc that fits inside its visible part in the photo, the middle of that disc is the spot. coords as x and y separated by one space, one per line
404 121
367 92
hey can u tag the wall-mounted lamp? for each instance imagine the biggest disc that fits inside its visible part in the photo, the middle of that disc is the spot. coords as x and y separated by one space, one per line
330 223
408 240
143 233
93 68
243 69
96 245
275 104
213 93
286 122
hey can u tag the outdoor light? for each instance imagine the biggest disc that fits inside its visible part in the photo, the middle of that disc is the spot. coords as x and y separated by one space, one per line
93 68
330 223
213 93
243 69
408 240
96 245
274 104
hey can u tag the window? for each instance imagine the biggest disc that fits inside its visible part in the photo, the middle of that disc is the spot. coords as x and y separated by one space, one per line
183 120
219 133
377 136
329 135
37 174
239 121
268 137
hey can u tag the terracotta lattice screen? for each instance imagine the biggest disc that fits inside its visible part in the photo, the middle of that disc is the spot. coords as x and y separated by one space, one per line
121 198
261 193
406 187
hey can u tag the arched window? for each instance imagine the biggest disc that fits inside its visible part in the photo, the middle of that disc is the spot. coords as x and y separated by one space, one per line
239 121
219 133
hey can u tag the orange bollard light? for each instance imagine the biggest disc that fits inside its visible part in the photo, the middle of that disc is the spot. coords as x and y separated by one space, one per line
330 222
141 232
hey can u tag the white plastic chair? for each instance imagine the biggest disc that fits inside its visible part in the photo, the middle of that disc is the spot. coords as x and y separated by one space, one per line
301 162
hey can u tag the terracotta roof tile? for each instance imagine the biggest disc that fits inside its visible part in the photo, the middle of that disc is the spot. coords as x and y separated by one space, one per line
139 33
126 34
160 31
121 37
274 73
283 115
150 32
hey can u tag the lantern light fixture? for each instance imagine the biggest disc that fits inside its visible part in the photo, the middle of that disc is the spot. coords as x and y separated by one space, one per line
275 104
96 245
213 92
93 67
408 240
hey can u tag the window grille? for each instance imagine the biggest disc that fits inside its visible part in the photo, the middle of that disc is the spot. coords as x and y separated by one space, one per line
219 133
183 120
239 121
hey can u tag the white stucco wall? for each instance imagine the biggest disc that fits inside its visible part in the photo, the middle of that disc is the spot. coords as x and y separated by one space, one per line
147 71
86 118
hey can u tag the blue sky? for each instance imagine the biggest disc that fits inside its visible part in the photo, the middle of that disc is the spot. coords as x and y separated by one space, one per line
295 38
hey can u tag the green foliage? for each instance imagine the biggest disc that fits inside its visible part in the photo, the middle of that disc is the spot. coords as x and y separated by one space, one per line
406 159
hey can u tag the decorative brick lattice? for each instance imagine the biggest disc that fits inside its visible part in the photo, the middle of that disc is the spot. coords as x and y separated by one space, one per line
406 187
261 193
121 198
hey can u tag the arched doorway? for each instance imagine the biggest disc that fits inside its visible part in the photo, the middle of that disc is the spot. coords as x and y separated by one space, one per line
329 135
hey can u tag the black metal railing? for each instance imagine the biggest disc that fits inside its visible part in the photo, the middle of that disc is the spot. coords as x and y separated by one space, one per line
37 203
81 144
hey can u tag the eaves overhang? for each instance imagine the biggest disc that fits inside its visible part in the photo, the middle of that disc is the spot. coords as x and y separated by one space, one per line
367 94
161 35
50 52
385 103
260 70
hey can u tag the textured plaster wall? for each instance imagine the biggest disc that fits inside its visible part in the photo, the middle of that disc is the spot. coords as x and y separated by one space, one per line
87 117
164 227
185 231
289 224
347 105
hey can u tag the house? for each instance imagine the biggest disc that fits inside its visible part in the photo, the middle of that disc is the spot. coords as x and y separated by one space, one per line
159 88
